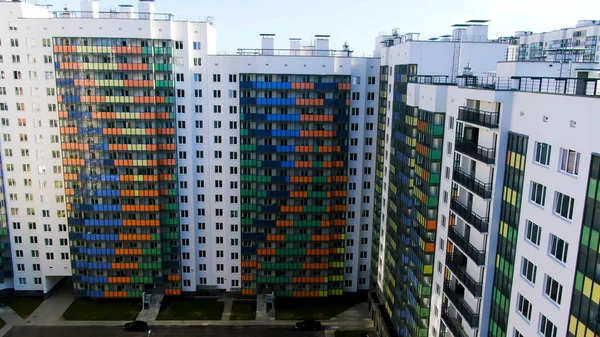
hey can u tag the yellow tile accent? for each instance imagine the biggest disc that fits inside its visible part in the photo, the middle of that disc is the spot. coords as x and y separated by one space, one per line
587 287
572 325
580 330
596 293
589 333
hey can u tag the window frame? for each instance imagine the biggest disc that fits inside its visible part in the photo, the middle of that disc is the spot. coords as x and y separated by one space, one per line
559 201
553 246
528 267
528 232
541 158
549 284
533 193
563 164
524 307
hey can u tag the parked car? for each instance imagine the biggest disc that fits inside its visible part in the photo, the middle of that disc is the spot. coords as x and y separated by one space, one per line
135 326
309 325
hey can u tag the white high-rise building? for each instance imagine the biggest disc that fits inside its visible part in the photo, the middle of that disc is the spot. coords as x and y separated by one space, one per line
515 247
131 152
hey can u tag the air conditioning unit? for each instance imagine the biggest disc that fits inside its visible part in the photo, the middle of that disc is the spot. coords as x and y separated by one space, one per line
573 123
545 118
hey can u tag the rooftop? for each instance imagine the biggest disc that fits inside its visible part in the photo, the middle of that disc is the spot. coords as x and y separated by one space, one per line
586 87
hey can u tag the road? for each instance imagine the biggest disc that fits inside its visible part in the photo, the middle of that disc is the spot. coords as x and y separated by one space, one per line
159 331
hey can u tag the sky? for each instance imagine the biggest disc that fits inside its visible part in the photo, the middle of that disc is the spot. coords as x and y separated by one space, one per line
239 22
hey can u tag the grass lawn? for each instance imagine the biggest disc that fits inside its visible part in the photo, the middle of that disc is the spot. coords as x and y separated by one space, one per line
105 310
353 333
23 306
313 308
243 311
186 309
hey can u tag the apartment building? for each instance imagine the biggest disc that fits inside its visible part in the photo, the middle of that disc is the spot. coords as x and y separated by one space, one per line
517 189
163 166
578 44
412 127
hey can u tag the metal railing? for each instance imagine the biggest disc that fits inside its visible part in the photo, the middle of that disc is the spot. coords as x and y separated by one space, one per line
477 255
473 150
453 325
130 16
481 224
294 52
454 264
461 306
487 119
473 184
431 79
589 87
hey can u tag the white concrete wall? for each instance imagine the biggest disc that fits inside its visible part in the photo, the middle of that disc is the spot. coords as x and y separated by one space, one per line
558 133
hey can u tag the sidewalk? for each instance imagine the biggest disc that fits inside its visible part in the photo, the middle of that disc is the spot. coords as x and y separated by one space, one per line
227 308
53 307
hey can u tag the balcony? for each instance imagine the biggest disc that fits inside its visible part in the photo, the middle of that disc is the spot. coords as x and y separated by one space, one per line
483 154
478 256
483 118
481 224
453 325
473 184
463 308
453 263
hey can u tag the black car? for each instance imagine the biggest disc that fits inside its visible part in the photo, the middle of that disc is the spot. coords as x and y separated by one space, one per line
136 326
309 325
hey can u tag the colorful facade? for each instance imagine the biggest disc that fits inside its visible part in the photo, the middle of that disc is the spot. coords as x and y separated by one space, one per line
413 195
294 153
508 232
585 305
5 251
115 101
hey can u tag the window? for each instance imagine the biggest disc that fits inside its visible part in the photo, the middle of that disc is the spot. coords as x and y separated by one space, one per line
451 123
569 161
563 205
538 193
524 307
542 153
547 328
533 233
558 248
528 270
197 45
553 289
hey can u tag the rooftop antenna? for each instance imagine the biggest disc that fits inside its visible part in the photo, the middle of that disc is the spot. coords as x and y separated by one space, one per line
468 71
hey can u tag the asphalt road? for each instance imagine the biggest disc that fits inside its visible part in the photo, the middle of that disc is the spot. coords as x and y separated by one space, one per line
160 331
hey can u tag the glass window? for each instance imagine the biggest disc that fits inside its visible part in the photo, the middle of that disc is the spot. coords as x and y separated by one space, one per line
524 307
542 153
563 205
547 328
533 233
538 193
558 248
569 161
553 289
528 270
